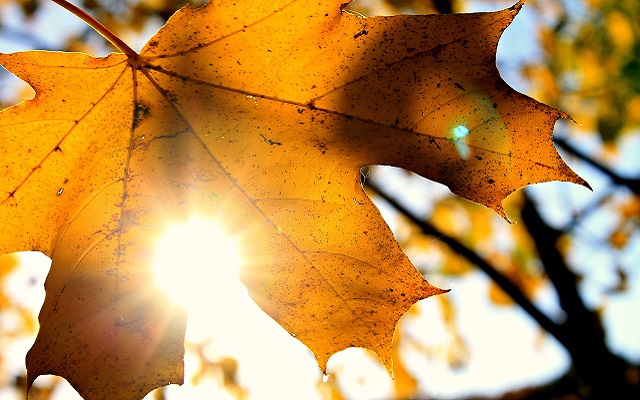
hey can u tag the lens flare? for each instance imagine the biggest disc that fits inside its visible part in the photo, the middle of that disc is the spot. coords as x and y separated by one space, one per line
458 134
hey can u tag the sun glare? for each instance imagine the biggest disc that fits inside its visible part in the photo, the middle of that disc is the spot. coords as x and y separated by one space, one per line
197 263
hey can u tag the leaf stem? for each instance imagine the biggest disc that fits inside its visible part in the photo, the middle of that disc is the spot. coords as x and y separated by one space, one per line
98 27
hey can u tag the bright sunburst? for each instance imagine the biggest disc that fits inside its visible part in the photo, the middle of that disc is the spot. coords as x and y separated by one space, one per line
197 263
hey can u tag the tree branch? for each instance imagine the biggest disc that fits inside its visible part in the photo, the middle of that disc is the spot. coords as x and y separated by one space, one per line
582 333
503 282
633 184
562 278
601 372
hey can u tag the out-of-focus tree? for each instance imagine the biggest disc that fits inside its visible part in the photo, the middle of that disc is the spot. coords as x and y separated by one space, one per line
589 66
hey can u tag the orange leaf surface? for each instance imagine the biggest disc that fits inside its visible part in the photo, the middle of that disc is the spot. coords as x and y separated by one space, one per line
260 115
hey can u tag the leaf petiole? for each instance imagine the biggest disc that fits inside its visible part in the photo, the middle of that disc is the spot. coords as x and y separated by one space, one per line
98 27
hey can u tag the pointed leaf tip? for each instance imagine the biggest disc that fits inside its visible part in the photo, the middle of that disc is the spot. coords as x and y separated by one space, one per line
517 7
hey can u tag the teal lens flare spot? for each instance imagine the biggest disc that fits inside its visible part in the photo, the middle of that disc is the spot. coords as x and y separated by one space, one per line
463 150
460 132
457 135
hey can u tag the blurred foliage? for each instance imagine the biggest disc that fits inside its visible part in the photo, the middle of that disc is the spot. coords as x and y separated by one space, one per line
589 66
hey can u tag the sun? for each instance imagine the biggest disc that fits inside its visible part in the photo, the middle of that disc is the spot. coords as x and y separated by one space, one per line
197 263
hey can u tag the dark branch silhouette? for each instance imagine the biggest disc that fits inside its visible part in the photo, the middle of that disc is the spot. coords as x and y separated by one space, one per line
582 334
503 282
597 373
632 184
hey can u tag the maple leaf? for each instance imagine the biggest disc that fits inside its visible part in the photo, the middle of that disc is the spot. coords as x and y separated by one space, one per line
259 115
